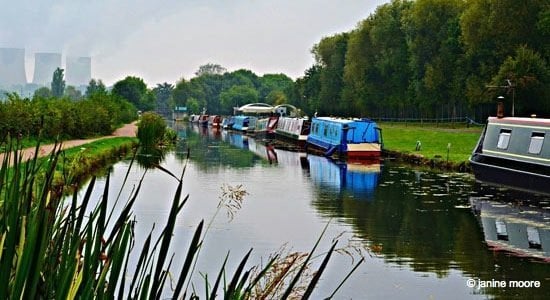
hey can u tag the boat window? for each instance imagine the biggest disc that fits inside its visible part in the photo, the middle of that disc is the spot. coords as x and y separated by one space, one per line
537 139
502 232
533 237
504 138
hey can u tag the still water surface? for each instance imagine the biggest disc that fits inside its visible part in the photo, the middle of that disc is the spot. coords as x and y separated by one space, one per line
423 234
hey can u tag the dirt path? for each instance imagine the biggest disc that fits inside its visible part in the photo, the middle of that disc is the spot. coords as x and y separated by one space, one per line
128 130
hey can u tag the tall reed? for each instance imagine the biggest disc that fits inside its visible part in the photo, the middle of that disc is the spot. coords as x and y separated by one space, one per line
63 249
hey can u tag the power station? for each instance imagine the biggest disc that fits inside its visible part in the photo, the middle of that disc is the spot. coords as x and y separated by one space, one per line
12 67
13 77
44 66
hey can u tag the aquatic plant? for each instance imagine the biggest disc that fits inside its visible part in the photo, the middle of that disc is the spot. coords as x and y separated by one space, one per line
55 248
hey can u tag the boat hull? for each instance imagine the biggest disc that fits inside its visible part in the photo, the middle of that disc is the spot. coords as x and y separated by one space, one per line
495 172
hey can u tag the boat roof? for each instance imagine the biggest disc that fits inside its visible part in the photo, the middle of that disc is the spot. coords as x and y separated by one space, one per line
342 120
256 108
520 121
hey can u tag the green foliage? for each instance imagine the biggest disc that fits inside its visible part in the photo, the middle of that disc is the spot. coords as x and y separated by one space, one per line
210 69
134 90
43 92
58 83
95 88
238 95
151 129
64 118
72 93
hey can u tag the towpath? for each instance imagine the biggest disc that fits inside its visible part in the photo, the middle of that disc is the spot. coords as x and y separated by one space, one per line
128 130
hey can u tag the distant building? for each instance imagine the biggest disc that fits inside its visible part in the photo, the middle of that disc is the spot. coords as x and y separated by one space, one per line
44 66
78 71
12 67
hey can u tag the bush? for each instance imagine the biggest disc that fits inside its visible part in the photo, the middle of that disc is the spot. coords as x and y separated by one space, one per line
151 129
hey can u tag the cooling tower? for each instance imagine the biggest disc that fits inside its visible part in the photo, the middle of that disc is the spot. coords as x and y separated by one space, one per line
12 67
78 70
44 66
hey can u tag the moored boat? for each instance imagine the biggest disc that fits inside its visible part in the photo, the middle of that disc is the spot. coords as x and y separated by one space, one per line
214 121
203 120
265 127
354 139
293 129
512 152
240 123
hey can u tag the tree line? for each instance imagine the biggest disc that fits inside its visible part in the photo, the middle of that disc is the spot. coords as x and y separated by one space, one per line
409 59
434 58
53 113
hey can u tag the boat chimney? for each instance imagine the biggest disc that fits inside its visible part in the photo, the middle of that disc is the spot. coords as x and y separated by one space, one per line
500 107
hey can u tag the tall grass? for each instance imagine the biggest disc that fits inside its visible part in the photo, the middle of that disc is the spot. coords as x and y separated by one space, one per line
63 249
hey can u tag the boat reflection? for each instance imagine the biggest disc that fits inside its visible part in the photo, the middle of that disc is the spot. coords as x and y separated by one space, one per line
517 229
360 179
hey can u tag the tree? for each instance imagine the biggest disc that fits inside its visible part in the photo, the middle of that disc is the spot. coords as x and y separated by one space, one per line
528 75
237 96
162 94
42 92
72 93
95 87
58 83
330 54
210 69
134 90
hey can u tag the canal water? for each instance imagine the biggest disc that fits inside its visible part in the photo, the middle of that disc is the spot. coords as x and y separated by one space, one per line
423 234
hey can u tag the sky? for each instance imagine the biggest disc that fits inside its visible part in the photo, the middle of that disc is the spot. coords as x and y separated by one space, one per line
166 40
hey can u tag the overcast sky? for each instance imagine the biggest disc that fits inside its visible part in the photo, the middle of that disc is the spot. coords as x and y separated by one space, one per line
163 41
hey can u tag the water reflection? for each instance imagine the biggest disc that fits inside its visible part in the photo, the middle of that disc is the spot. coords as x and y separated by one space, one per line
519 229
359 180
420 228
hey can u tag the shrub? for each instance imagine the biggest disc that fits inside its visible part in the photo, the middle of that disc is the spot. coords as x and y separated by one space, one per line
151 129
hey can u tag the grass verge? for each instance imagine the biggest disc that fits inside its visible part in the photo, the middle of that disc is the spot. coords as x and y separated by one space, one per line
448 145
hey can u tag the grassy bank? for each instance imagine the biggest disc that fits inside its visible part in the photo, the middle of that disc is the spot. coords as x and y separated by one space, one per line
441 144
85 160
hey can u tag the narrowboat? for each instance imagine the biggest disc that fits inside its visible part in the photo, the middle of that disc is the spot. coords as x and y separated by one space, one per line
240 123
293 129
227 122
194 119
354 139
203 120
265 127
214 121
513 152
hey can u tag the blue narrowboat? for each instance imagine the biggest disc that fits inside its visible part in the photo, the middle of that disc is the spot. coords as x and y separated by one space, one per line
240 123
514 152
354 139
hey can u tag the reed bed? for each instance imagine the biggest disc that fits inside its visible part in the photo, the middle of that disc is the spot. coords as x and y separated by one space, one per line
60 248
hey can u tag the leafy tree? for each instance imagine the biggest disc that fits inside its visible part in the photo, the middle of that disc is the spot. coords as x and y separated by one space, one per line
58 83
72 93
134 90
43 92
210 69
162 94
330 54
528 75
95 87
270 83
237 96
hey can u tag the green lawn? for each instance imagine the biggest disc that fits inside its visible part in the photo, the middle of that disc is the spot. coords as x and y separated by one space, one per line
434 140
